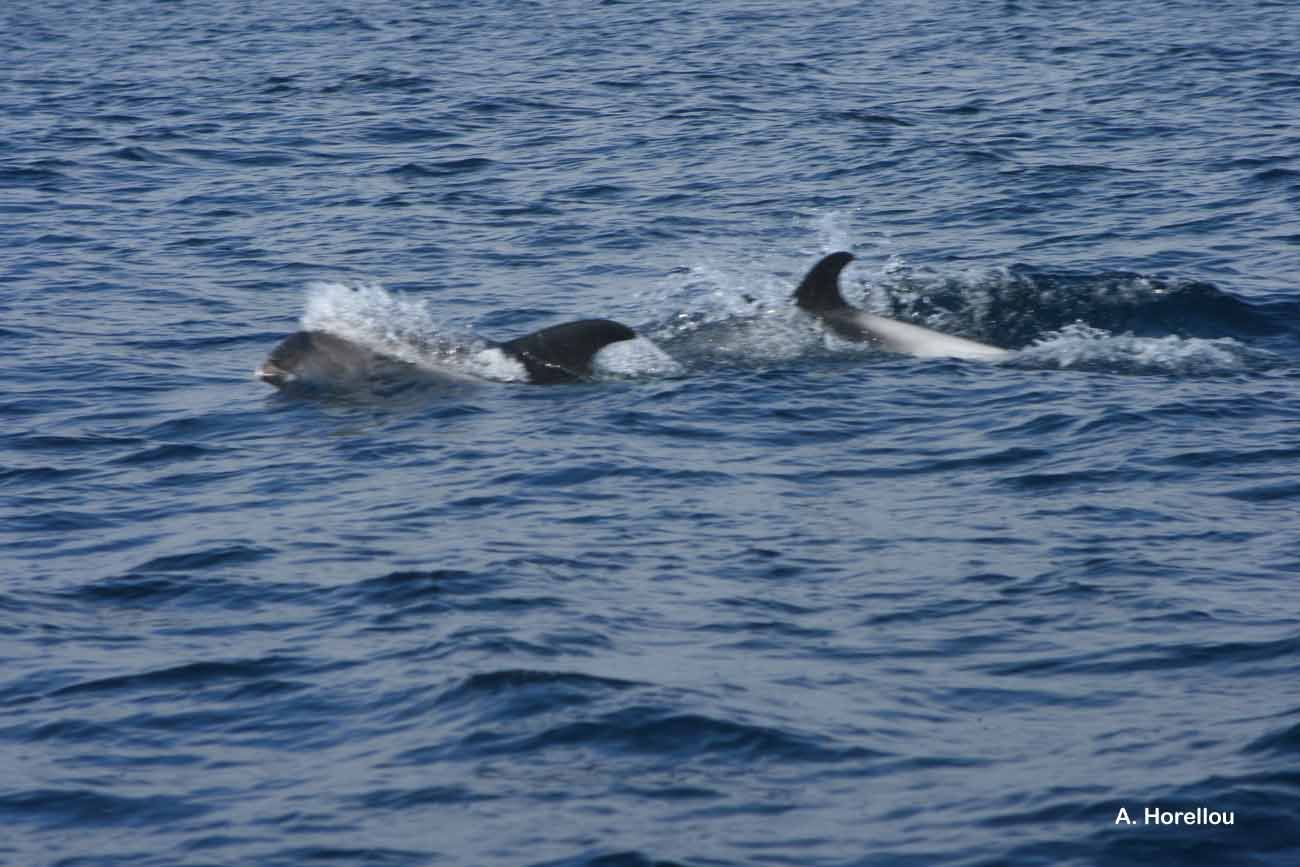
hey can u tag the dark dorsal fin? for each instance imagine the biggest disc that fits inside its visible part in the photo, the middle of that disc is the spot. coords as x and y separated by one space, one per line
820 289
563 353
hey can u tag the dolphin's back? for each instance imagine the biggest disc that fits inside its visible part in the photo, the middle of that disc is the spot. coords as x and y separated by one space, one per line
819 294
913 339
563 353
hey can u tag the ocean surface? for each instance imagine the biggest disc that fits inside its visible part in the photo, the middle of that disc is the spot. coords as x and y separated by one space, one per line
785 600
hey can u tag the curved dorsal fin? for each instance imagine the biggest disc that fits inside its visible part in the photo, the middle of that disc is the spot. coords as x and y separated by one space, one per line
563 353
820 289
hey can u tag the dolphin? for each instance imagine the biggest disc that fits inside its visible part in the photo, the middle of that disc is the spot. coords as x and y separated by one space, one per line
319 359
561 353
819 294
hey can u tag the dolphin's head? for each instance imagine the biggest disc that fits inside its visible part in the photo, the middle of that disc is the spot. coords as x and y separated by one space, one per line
316 359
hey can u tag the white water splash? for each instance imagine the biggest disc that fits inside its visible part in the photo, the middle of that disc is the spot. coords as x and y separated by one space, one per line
636 358
1082 346
850 230
370 314
731 314
495 365
391 324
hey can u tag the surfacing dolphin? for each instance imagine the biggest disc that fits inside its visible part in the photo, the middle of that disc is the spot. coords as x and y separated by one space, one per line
320 359
561 353
819 294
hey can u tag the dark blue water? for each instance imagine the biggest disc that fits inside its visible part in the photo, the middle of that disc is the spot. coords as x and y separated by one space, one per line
793 602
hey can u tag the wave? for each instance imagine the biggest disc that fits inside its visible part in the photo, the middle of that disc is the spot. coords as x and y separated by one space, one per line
1017 305
1083 347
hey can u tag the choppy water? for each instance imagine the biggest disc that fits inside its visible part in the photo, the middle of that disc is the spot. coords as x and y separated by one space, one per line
790 602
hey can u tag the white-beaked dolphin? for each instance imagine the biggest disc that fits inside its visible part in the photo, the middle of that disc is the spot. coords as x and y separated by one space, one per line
819 294
561 353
